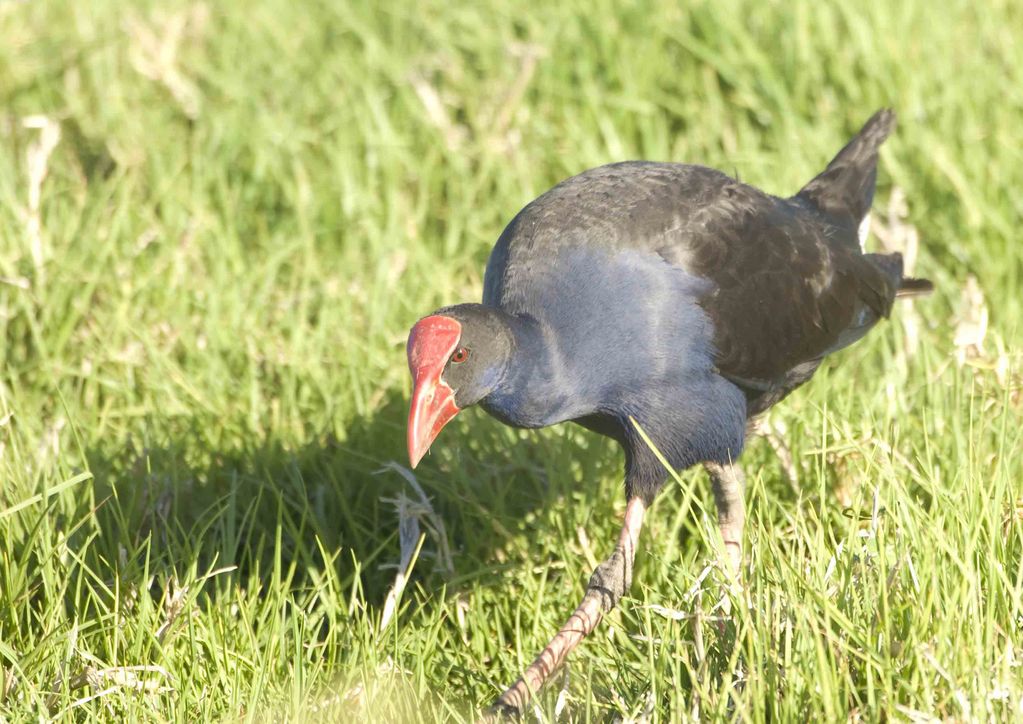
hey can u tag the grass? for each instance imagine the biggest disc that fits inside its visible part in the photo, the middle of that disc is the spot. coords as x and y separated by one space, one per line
203 370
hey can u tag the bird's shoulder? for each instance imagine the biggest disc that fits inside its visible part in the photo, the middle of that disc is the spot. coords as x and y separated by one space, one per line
627 206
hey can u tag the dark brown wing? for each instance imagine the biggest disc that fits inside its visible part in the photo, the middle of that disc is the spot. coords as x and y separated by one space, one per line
790 287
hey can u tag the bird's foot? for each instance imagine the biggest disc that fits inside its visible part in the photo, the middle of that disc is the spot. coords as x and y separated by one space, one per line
733 561
499 712
612 578
731 588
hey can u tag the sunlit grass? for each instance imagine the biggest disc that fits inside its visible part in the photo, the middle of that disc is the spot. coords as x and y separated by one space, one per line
203 371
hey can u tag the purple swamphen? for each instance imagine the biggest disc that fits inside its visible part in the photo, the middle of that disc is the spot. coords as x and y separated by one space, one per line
667 294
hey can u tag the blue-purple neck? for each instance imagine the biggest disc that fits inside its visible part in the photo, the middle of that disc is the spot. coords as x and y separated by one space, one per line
540 386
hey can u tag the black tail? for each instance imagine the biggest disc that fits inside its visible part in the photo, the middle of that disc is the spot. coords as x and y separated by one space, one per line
891 265
845 189
914 287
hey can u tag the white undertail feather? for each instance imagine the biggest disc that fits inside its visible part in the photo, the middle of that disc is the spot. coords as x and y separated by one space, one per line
864 232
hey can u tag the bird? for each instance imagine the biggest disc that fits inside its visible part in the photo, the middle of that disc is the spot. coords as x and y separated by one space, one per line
664 301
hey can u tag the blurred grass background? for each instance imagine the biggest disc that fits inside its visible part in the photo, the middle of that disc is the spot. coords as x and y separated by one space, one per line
217 223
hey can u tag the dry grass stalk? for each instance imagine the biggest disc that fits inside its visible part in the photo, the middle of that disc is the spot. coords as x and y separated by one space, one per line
528 55
972 323
38 157
433 522
454 133
410 539
154 51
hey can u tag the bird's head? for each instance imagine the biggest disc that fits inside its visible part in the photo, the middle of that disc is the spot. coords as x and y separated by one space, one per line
457 356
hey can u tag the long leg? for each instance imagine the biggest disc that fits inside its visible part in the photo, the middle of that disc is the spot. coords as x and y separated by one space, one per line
607 585
729 485
774 433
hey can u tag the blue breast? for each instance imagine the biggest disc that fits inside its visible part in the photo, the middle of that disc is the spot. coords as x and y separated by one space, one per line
617 333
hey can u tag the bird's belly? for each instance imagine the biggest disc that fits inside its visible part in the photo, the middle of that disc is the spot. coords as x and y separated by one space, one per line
602 424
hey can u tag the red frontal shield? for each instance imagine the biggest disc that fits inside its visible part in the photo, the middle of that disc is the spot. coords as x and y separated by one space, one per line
430 344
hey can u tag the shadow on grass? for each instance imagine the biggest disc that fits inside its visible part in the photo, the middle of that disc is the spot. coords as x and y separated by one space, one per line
271 507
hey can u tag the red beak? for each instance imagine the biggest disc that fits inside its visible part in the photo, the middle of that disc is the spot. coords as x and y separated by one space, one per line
430 344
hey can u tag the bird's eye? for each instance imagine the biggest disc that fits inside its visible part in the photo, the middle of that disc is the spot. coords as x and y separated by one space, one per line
461 355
